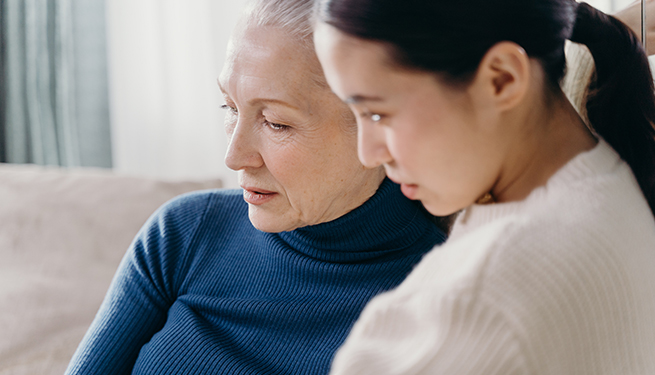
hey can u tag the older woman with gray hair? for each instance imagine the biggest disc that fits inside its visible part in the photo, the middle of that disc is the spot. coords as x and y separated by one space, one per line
270 278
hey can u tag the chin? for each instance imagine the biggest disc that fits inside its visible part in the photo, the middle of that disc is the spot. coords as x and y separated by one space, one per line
269 223
437 209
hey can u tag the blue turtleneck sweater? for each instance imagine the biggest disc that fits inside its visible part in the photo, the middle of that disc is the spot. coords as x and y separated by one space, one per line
201 291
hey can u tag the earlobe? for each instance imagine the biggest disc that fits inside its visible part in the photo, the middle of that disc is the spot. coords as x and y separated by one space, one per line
505 70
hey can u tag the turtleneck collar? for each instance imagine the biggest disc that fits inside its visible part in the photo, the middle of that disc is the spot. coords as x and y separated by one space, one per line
385 225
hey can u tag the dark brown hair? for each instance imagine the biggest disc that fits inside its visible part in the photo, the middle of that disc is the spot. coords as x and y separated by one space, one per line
450 38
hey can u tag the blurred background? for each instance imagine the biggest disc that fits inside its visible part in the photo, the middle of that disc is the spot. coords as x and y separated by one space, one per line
122 84
609 6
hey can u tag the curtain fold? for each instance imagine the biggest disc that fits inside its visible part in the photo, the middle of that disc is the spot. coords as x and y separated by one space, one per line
41 120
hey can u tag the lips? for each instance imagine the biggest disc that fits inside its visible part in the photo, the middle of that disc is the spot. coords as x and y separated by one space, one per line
257 196
257 190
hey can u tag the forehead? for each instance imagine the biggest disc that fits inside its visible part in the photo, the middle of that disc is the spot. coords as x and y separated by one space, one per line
270 58
349 62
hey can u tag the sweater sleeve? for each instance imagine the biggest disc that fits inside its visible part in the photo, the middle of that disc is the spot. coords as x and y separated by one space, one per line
142 290
461 336
458 339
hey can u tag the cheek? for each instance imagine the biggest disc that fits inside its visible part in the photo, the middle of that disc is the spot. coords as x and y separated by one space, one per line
283 162
297 168
426 144
340 154
407 140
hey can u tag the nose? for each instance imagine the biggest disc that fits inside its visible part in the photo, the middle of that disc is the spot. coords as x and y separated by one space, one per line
242 149
372 146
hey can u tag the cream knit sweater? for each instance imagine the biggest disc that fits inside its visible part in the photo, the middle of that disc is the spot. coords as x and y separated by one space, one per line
560 283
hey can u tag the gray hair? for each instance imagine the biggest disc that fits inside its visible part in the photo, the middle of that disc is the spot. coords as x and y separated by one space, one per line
293 16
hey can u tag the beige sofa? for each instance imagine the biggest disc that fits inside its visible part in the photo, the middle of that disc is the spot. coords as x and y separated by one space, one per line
62 235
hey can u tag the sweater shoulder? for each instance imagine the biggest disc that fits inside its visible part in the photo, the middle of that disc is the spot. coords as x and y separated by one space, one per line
555 286
175 226
188 211
171 237
213 199
597 241
599 221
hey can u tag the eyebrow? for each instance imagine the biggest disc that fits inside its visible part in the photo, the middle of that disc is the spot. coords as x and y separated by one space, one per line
261 100
275 101
356 99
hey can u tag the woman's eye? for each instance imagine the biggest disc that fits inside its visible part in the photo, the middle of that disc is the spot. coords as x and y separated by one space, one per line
230 108
371 116
275 126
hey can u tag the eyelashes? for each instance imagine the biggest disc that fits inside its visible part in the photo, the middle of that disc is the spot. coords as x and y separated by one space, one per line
229 108
276 127
372 116
271 125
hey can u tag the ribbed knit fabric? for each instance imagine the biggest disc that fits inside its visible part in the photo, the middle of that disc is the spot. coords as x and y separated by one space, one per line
201 291
562 283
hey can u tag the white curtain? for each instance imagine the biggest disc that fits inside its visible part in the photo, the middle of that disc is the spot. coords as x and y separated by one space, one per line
164 58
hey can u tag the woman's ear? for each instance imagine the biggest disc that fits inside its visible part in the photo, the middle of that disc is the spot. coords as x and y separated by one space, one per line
503 76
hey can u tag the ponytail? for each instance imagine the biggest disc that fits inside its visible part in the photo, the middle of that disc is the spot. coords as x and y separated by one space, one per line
621 99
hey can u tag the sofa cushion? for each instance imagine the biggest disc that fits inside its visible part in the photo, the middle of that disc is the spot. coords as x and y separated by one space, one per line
62 235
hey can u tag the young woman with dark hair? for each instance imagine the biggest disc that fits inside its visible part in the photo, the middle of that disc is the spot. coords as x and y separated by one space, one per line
549 267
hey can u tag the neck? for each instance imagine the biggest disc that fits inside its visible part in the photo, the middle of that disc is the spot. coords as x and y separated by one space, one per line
555 135
387 225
